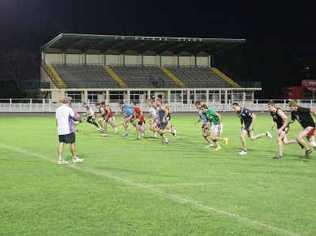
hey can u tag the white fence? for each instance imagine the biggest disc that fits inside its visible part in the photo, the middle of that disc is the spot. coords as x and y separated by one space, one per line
46 106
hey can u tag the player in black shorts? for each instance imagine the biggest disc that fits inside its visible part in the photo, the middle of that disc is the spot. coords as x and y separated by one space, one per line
247 119
304 117
91 117
280 120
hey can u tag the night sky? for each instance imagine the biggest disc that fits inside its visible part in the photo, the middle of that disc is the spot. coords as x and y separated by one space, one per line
281 37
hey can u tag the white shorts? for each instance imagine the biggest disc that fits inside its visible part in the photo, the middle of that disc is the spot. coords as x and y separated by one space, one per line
217 129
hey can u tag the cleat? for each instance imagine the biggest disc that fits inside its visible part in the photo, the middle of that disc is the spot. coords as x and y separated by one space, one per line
210 145
62 162
308 153
218 148
243 153
77 160
268 134
174 132
277 157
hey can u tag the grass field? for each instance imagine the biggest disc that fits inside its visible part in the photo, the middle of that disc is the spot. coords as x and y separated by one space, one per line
130 187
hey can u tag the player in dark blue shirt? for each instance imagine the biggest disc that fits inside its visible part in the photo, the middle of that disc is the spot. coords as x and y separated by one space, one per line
247 119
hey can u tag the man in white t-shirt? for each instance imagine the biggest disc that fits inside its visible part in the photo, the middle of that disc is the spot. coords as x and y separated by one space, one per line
65 120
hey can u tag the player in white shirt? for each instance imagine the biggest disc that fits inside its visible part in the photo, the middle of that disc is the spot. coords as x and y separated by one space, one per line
65 121
154 118
91 117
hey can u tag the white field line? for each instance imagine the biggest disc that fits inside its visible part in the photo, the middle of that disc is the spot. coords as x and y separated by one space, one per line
170 196
180 184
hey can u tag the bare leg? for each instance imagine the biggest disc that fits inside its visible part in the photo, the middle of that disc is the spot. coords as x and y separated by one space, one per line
301 141
73 150
258 136
60 151
243 135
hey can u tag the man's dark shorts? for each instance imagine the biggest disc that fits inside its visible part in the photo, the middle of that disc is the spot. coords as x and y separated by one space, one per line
67 138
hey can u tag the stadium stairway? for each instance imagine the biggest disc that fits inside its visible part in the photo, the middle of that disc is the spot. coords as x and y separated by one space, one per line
54 76
224 77
174 78
116 77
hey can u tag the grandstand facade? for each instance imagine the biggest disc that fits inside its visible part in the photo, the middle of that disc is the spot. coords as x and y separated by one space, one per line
92 68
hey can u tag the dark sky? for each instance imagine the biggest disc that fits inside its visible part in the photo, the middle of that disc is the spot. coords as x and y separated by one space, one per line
280 36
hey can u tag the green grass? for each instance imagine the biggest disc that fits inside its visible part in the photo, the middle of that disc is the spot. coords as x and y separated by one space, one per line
130 187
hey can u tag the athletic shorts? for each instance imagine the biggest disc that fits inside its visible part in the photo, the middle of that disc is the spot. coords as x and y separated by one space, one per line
129 118
247 128
162 125
90 119
67 138
216 129
311 132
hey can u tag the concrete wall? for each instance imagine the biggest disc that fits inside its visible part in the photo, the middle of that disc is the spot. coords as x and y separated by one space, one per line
94 59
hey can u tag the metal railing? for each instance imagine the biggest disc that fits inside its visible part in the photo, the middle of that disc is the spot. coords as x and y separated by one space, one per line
46 105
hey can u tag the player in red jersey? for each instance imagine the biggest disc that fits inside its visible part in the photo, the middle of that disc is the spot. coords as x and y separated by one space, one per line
140 122
109 118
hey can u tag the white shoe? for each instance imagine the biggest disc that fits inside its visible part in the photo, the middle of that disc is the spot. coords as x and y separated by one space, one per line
166 141
242 153
269 135
62 162
174 132
210 145
77 160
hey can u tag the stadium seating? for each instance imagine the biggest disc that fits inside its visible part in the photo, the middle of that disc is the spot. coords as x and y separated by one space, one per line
94 76
85 76
198 77
144 77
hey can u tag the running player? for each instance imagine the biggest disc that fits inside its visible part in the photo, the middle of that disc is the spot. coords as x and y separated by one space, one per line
109 118
170 127
139 122
91 117
280 120
128 116
153 120
304 117
205 124
214 119
247 119
163 121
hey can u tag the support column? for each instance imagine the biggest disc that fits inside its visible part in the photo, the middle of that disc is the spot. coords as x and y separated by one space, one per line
148 94
85 96
244 96
188 96
107 96
194 97
220 96
128 96
182 97
169 96
207 96
226 97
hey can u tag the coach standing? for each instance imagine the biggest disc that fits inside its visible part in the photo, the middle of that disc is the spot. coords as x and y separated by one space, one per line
65 120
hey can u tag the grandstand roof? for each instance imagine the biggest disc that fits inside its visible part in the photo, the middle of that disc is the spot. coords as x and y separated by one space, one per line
118 44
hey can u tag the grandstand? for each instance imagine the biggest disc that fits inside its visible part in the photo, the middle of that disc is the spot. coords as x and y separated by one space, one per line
91 68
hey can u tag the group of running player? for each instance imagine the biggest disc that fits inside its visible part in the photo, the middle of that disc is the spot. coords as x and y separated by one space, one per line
159 123
212 127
